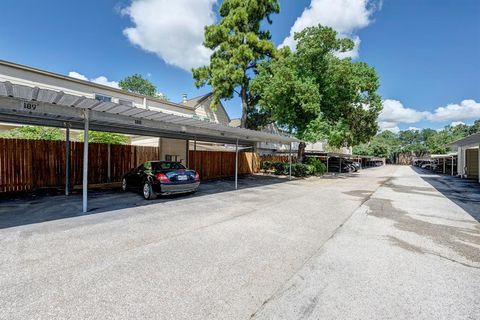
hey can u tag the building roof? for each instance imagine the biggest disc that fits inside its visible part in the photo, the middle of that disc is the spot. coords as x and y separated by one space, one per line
194 102
89 83
235 122
37 106
472 140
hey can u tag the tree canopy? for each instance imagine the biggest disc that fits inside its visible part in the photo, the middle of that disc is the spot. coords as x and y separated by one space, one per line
104 137
34 133
416 142
238 43
314 94
138 84
48 133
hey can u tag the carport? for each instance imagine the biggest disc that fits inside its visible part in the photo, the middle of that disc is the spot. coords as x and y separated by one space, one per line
468 163
37 106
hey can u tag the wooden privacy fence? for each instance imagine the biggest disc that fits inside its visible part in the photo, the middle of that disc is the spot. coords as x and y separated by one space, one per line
277 158
221 164
27 165
33 164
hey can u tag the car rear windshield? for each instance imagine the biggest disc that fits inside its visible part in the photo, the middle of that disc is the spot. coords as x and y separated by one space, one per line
158 166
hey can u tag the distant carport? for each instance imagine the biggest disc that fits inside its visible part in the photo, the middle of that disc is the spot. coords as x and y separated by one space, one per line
468 154
36 106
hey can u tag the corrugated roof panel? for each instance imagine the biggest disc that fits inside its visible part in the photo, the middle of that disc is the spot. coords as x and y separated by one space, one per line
104 106
119 108
3 89
186 127
22 92
67 100
145 113
87 104
47 96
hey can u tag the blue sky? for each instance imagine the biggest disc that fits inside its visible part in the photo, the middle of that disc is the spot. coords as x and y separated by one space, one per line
425 51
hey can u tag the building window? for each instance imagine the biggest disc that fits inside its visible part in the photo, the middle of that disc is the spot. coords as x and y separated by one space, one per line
103 98
171 157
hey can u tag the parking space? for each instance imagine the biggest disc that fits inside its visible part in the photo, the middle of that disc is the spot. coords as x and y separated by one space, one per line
411 251
210 255
307 246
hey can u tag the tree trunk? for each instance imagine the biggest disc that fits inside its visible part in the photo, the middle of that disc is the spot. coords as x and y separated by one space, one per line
243 121
301 152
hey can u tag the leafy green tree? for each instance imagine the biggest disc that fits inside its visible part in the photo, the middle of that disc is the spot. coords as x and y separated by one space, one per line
239 43
162 96
416 142
314 94
34 133
475 128
104 137
138 84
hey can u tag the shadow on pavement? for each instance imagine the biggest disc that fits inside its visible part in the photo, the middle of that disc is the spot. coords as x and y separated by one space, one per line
463 192
28 209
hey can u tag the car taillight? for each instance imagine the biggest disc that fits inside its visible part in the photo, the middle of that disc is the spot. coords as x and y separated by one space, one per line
162 177
197 176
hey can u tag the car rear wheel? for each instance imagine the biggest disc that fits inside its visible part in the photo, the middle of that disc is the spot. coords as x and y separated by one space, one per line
148 193
124 184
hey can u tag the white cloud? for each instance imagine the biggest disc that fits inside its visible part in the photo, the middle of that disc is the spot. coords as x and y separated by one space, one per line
389 126
413 129
466 110
394 111
171 29
100 80
103 80
77 75
344 16
456 123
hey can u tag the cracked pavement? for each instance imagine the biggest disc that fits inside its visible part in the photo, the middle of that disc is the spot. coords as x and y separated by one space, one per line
409 252
380 244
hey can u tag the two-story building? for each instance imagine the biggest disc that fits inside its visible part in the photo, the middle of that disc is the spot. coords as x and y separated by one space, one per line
174 149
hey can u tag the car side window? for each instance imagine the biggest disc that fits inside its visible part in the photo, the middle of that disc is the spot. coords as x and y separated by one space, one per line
165 165
178 166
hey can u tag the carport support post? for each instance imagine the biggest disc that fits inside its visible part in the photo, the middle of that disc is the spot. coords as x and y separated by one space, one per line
187 149
195 154
67 159
290 162
236 165
109 163
444 161
327 162
85 162
451 167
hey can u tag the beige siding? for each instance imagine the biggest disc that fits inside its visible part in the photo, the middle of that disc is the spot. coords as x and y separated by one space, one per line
218 116
173 147
24 76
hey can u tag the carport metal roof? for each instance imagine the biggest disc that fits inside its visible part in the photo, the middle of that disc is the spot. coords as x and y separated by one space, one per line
471 140
36 106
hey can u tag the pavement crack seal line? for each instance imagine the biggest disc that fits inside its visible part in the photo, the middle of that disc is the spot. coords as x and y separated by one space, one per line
181 234
319 249
381 183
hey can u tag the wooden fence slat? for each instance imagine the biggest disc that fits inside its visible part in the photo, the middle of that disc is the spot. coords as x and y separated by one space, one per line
34 164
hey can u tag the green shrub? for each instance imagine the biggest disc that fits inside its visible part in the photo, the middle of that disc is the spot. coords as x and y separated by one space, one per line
280 168
266 165
319 167
312 166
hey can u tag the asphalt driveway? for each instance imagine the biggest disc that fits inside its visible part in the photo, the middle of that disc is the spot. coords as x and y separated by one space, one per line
220 254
